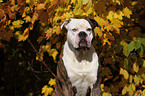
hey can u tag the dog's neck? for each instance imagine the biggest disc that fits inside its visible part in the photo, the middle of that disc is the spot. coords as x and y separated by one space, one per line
80 54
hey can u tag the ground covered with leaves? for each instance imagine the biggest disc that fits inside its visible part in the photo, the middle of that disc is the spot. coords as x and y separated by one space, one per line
31 42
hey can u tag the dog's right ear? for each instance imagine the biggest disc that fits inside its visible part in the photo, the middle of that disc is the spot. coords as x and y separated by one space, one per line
63 26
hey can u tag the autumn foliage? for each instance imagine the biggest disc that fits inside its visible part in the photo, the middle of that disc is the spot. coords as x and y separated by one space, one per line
31 42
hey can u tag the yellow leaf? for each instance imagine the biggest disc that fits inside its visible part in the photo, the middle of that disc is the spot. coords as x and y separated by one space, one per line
131 89
98 31
28 19
110 15
143 63
107 94
52 82
1 0
40 6
124 44
124 90
12 2
17 23
34 18
117 1
127 12
73 1
102 22
47 90
25 35
53 53
135 67
117 22
134 3
105 41
102 87
143 93
124 73
130 79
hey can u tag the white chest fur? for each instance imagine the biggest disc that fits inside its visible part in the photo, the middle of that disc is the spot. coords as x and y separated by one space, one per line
82 69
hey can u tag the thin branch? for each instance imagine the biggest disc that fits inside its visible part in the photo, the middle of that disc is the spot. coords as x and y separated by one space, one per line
40 58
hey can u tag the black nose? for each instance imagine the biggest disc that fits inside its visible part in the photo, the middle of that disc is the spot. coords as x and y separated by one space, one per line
82 34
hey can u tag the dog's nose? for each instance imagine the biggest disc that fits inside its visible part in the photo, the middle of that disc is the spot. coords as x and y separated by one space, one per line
82 34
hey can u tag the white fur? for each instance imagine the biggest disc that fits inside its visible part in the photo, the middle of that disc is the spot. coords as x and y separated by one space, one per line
82 74
82 67
80 25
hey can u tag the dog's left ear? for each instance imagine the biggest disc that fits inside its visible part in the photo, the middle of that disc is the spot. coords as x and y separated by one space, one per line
63 26
93 23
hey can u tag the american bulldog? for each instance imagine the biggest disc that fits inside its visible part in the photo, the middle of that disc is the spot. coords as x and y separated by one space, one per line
77 70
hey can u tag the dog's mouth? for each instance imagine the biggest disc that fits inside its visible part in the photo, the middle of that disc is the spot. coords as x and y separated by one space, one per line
82 45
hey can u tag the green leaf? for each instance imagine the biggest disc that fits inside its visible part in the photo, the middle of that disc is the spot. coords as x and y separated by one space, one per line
136 80
143 41
126 63
137 45
130 46
141 51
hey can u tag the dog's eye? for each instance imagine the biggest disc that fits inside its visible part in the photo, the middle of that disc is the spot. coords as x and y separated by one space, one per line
74 30
89 29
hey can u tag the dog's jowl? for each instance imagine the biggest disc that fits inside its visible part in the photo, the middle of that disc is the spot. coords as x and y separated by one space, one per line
77 70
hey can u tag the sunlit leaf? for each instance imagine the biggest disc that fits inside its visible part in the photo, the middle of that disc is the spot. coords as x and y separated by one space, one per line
117 1
25 35
102 87
143 63
134 3
124 73
135 67
98 31
124 44
124 90
53 53
131 89
28 19
52 82
17 23
1 0
40 6
106 94
110 15
136 80
47 90
127 12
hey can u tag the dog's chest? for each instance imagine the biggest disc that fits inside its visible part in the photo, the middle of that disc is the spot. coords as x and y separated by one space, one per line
81 73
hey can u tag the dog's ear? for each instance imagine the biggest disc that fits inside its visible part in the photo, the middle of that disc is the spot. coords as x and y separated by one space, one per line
63 26
93 23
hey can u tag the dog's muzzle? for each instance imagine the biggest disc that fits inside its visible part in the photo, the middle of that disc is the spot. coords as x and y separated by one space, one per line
82 40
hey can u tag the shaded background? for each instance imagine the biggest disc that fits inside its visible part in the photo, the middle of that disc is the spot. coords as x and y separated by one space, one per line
30 35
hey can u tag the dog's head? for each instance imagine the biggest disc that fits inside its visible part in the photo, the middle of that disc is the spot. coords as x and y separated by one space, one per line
79 32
